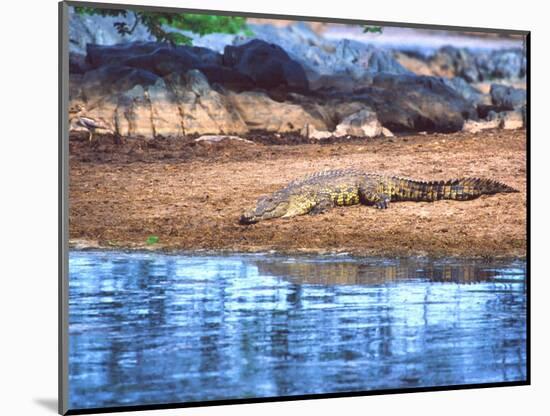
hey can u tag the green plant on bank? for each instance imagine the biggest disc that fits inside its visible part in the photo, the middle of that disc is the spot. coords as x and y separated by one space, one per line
158 23
372 29
152 239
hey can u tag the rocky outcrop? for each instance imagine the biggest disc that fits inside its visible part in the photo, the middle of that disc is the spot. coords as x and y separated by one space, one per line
416 103
292 80
177 105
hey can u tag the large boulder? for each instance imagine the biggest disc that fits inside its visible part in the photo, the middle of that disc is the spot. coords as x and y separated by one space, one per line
268 65
508 98
416 103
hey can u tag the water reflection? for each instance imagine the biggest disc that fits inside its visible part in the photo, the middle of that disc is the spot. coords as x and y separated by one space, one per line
149 328
357 271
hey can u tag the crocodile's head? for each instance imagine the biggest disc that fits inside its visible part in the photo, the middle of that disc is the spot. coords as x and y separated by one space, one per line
267 207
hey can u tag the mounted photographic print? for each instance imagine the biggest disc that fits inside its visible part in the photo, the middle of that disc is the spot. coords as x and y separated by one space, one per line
259 208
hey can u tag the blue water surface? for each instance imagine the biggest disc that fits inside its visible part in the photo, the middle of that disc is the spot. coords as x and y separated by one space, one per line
152 328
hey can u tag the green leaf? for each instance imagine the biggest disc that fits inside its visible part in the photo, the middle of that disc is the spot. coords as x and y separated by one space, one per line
152 239
178 38
372 29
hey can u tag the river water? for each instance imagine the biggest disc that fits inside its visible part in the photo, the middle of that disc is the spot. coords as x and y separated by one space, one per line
152 328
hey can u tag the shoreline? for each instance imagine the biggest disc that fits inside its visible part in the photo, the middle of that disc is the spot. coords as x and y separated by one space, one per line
93 246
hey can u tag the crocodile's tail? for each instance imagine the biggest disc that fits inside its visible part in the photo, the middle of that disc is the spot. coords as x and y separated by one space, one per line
456 189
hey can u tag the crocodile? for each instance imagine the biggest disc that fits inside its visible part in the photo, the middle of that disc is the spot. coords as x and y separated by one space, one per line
319 192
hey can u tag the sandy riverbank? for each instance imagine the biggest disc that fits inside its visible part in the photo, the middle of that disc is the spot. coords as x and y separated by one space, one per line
190 195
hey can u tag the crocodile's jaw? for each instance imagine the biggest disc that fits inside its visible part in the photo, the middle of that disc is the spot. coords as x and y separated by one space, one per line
247 219
264 211
251 217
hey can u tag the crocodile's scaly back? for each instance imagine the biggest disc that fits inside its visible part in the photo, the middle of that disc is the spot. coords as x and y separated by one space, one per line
321 191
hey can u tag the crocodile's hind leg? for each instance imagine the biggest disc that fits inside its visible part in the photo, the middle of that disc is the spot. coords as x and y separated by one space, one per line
370 197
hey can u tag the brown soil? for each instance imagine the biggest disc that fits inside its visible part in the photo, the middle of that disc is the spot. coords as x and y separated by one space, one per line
191 195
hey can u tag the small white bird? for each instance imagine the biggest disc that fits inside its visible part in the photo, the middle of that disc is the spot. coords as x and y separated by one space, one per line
78 121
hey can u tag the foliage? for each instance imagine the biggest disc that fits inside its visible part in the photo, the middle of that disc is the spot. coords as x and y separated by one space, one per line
158 23
372 29
152 239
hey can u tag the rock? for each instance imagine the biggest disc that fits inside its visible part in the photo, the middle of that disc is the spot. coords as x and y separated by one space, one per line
132 113
163 61
218 139
203 110
98 55
508 98
262 113
319 56
311 132
387 133
164 110
504 64
413 63
451 62
511 120
205 56
473 126
179 104
227 77
468 92
338 82
268 65
110 79
75 87
416 103
507 120
374 60
361 124
77 63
